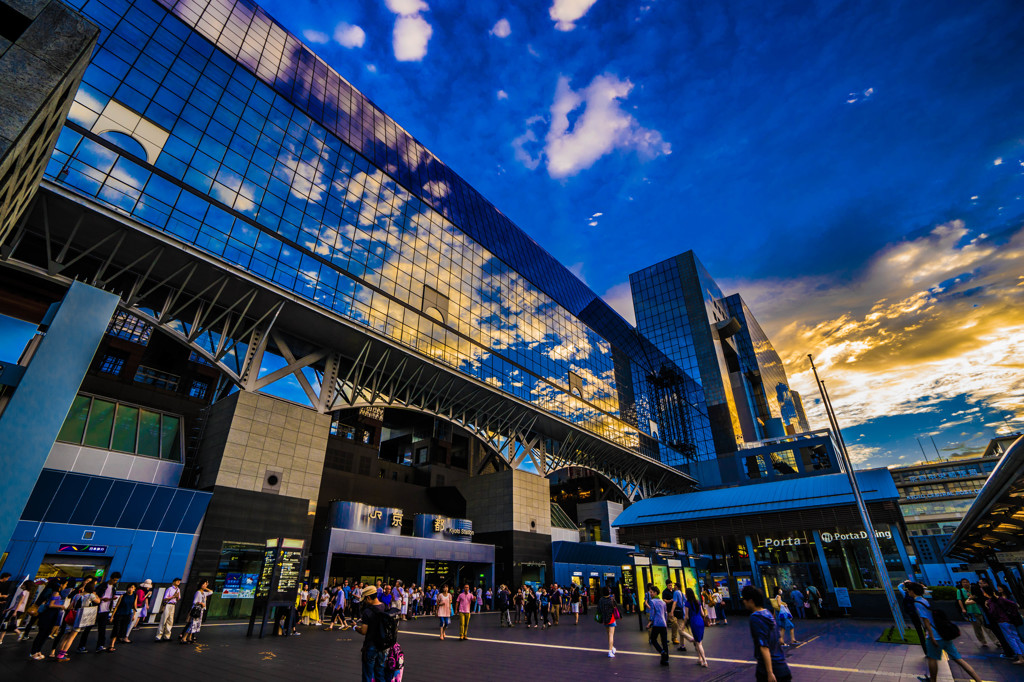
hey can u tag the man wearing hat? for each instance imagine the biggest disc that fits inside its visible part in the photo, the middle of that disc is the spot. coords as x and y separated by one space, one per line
373 660
171 597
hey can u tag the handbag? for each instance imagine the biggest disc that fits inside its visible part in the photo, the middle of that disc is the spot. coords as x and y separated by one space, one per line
85 616
807 605
32 610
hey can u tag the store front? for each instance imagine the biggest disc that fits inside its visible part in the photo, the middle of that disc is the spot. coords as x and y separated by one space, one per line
809 533
366 544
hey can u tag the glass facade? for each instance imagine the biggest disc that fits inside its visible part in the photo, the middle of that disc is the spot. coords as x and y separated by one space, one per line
717 341
211 123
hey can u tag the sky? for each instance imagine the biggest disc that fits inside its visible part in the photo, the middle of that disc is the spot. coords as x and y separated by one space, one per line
854 169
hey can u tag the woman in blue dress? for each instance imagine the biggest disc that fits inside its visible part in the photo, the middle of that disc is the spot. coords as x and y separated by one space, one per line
695 619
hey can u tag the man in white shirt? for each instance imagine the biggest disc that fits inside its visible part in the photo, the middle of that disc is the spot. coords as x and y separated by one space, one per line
172 595
107 592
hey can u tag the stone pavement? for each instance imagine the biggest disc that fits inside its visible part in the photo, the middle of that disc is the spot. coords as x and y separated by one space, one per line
834 651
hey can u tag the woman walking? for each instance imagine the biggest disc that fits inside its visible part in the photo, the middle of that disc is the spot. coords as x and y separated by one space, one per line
444 610
86 597
694 617
195 615
531 607
608 615
16 611
1002 611
51 606
122 617
785 621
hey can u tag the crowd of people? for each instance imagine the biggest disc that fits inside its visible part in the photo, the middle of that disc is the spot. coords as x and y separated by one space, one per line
985 606
65 612
59 616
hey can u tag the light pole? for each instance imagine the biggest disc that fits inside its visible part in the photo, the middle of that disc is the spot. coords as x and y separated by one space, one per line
876 553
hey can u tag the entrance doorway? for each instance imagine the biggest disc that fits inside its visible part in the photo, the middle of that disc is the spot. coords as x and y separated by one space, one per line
61 566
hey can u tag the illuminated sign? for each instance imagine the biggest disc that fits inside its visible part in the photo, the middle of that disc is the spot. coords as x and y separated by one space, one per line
82 549
862 535
375 514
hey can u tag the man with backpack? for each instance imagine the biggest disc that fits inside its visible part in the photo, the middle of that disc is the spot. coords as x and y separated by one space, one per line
381 656
504 601
939 633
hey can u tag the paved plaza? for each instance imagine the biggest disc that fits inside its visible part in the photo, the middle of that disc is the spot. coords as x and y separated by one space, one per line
833 651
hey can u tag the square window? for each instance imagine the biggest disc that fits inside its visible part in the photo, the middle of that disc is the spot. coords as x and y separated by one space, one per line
112 364
198 389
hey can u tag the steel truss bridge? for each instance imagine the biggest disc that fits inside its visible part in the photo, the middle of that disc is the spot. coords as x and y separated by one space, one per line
232 318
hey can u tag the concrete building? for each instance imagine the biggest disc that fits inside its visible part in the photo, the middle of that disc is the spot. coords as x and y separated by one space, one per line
934 496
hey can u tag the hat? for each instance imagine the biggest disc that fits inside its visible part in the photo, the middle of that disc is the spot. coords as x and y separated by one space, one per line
370 591
147 583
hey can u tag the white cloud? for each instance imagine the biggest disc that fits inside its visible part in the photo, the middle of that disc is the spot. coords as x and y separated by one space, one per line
372 68
565 13
620 298
315 37
523 144
599 127
412 32
502 94
502 29
406 6
349 35
998 161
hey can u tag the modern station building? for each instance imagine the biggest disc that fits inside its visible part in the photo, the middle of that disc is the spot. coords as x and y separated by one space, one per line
264 299
254 307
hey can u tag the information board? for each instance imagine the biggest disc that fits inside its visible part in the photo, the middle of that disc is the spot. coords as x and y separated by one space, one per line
266 573
843 598
289 569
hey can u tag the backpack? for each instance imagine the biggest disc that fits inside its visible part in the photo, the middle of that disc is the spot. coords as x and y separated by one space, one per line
384 629
944 627
395 659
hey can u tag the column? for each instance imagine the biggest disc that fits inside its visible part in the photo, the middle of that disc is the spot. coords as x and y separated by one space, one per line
39 404
823 562
755 572
901 547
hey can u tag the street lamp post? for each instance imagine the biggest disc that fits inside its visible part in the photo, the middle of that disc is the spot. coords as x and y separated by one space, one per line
876 553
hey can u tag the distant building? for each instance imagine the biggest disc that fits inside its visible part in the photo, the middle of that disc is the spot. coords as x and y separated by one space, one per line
716 340
801 414
934 497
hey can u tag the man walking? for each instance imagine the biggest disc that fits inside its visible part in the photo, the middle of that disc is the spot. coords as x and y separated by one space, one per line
172 595
771 660
797 599
504 602
936 643
374 653
464 607
673 611
556 602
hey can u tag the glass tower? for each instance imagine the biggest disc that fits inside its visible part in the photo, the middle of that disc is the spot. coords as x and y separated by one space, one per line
717 341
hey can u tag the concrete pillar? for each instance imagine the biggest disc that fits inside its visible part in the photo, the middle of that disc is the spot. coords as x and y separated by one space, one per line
37 409
755 572
901 546
826 574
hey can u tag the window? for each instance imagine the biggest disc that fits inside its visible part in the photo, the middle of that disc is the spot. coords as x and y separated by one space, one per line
198 359
111 364
198 389
154 377
126 326
109 425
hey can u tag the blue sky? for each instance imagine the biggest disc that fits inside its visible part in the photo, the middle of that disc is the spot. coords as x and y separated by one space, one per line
854 169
